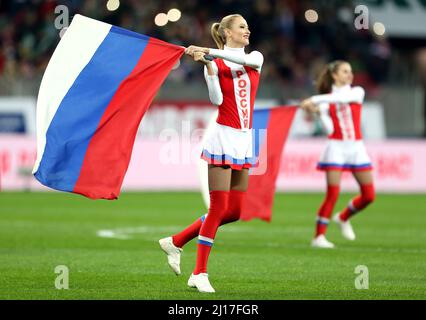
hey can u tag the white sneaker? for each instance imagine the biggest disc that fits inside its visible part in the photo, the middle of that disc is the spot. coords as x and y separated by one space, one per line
321 242
345 227
201 282
173 253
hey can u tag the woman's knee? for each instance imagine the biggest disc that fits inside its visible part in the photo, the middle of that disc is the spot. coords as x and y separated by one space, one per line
369 197
368 193
235 205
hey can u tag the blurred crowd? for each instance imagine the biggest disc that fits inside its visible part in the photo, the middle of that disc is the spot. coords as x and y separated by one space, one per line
294 49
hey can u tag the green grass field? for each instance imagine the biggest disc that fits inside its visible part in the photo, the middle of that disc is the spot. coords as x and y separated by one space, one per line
250 260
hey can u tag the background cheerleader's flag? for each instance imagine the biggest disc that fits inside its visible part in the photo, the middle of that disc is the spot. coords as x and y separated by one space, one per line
268 148
97 86
261 188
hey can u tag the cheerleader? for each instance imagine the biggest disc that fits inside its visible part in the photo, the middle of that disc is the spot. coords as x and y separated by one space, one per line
232 80
339 107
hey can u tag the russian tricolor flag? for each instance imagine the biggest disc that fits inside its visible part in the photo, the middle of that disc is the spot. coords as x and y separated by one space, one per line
276 122
97 86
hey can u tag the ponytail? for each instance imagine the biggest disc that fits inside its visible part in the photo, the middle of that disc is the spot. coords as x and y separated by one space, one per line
216 35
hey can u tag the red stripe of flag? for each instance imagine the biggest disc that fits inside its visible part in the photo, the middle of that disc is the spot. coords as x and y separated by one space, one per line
110 148
261 188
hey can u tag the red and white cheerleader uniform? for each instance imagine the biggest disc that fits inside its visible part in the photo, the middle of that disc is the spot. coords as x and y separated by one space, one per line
341 115
233 89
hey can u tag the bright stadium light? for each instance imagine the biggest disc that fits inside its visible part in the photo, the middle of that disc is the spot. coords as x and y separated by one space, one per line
174 15
311 16
161 19
113 5
379 28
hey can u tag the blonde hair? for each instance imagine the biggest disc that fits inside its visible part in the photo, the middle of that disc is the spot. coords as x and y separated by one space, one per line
218 29
325 79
